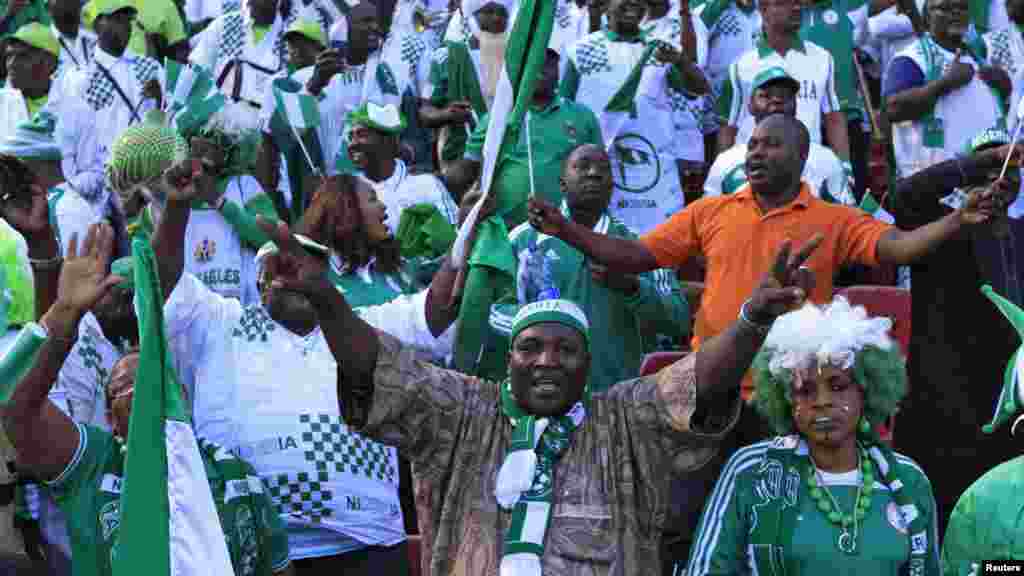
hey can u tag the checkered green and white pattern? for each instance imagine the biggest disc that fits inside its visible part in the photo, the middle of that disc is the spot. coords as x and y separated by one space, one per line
300 495
592 57
232 37
100 92
331 447
255 324
413 48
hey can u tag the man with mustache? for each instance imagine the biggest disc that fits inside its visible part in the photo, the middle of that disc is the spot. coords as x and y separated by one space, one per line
650 145
636 309
463 76
775 92
536 475
939 90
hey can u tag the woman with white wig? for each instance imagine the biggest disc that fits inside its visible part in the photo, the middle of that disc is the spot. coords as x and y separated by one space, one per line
826 496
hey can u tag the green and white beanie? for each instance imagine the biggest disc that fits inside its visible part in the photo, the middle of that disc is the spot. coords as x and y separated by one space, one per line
143 152
558 311
1011 398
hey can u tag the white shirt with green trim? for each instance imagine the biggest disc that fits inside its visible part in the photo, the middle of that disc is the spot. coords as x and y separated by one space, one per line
808 63
963 112
403 189
823 171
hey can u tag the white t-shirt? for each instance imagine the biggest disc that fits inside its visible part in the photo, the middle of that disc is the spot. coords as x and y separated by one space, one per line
823 172
271 396
810 65
402 190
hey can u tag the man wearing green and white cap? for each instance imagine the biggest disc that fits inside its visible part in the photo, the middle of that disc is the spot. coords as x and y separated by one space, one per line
775 92
104 100
535 474
31 55
373 145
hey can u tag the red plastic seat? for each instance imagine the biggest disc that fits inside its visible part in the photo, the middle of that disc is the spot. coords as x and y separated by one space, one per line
413 543
893 303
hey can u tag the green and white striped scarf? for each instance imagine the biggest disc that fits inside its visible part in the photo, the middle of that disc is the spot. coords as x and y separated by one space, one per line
527 478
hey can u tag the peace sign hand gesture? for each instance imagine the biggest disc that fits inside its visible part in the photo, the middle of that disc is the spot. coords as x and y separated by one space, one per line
785 286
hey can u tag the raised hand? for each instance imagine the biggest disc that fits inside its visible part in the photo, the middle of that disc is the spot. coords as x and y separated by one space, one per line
292 267
786 285
545 217
328 63
185 181
28 215
83 277
985 203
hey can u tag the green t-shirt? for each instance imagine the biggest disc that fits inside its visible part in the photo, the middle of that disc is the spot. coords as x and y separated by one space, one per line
828 25
554 132
657 308
34 12
89 494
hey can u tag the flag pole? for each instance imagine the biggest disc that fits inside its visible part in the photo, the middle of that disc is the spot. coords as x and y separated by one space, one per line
305 152
529 154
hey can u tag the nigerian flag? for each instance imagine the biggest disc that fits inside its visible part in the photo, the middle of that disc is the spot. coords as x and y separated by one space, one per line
872 207
491 264
169 525
193 97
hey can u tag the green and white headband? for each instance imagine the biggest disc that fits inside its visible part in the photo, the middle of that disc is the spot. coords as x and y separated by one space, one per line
557 311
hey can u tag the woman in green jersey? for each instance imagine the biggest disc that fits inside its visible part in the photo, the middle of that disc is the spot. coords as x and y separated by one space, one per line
825 497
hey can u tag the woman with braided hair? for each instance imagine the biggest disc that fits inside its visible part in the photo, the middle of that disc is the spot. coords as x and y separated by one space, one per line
827 497
366 264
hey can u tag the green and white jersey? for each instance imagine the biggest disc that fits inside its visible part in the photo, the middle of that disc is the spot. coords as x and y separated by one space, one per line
270 395
839 26
644 143
403 190
69 215
657 308
691 111
754 480
83 378
823 171
368 286
957 117
732 31
89 493
808 63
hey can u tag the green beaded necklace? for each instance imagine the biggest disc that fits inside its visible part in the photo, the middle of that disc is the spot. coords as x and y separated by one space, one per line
829 506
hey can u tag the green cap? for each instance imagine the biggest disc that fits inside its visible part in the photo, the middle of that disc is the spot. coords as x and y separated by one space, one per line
33 139
558 311
775 74
98 8
311 30
38 36
1011 399
387 118
125 268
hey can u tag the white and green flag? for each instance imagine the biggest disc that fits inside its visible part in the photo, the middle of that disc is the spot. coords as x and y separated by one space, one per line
169 524
193 98
872 207
524 62
300 110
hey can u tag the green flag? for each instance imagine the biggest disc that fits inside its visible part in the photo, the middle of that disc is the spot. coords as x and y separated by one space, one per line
491 266
169 524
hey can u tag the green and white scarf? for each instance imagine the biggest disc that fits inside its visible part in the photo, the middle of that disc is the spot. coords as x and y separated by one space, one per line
526 480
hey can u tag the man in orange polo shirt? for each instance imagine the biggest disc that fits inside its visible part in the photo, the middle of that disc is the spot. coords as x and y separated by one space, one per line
739 233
